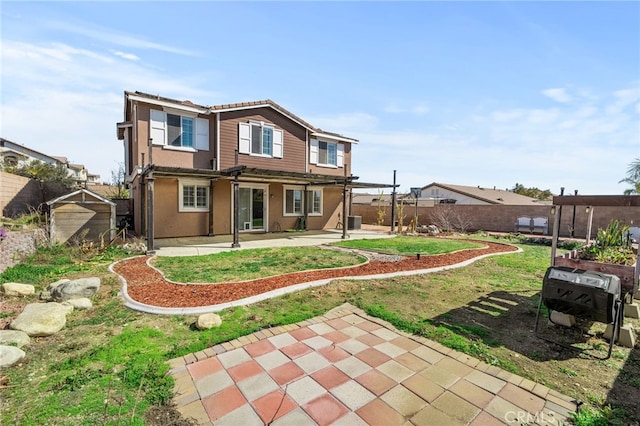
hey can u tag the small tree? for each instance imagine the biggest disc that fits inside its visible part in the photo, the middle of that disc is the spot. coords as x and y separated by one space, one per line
119 190
448 219
381 212
43 172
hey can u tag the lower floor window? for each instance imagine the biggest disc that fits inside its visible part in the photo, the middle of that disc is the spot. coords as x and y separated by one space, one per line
296 198
194 196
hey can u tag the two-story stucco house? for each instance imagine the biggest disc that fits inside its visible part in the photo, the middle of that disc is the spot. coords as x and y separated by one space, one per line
245 167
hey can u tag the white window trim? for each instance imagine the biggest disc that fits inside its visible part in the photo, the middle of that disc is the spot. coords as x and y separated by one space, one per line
286 188
277 142
193 182
311 189
314 156
200 137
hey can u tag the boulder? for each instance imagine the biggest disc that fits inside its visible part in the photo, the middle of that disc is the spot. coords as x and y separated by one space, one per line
17 289
10 355
79 303
14 338
57 283
75 289
41 319
207 321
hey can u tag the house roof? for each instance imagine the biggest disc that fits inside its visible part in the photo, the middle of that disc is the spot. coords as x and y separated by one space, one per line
6 143
267 103
489 195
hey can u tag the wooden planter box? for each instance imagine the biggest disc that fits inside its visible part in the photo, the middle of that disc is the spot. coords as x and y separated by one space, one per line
627 274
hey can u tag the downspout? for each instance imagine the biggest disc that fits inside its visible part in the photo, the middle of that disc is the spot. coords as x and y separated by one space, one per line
344 206
306 151
150 179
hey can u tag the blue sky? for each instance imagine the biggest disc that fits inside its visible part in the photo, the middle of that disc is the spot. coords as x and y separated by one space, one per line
546 94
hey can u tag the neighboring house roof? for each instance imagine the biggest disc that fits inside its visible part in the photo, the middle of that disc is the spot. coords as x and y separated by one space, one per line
362 198
267 103
489 195
25 151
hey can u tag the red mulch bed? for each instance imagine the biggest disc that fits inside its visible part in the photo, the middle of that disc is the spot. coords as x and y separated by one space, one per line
146 285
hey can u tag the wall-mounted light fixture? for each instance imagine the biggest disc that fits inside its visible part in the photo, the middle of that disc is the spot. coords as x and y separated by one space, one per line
587 209
553 210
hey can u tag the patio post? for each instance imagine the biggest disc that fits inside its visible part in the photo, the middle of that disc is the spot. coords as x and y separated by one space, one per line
393 205
236 212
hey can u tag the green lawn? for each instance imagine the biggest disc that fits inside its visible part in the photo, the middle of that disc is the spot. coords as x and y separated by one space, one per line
107 366
244 265
409 245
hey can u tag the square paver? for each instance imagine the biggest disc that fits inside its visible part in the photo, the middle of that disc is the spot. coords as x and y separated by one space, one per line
286 373
423 387
321 328
317 342
412 362
403 401
296 350
195 410
205 367
373 357
454 366
245 415
244 370
390 349
334 353
396 371
430 416
352 346
311 362
472 393
304 390
377 412
302 333
456 407
353 331
234 357
503 410
352 394
385 334
485 381
325 410
352 367
222 403
282 340
350 419
259 348
522 398
370 339
272 359
486 419
296 417
368 325
336 336
428 354
406 343
353 319
338 323
256 386
330 377
376 382
441 376
272 406
213 383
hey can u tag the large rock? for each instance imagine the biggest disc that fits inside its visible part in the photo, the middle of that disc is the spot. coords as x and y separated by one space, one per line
41 319
17 289
207 321
10 355
75 289
14 338
79 303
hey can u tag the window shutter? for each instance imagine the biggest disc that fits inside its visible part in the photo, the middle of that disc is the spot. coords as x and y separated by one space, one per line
202 134
244 138
313 153
277 143
340 162
157 127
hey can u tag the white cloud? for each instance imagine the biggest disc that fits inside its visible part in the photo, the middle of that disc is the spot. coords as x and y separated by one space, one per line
129 56
419 109
558 95
346 124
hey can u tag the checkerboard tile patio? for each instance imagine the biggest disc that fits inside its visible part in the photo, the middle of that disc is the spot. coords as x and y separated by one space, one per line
348 368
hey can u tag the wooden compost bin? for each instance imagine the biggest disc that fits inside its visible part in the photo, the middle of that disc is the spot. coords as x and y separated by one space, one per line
82 215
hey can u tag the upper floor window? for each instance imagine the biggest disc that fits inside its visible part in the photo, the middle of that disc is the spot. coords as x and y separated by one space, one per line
179 130
326 154
260 139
